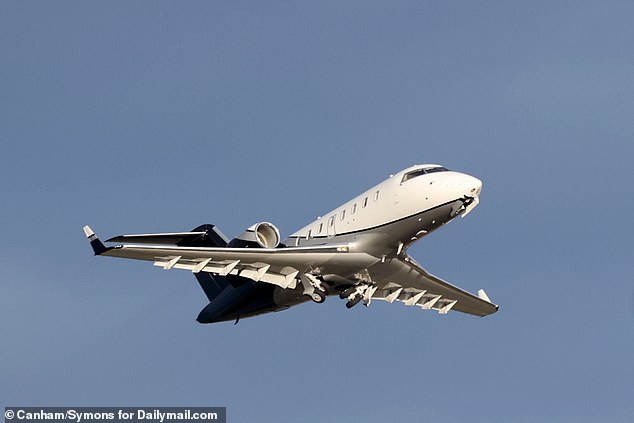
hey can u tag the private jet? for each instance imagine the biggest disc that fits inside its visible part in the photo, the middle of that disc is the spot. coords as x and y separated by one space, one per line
357 251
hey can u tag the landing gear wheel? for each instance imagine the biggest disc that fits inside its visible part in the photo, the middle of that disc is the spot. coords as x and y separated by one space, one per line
353 302
346 293
318 297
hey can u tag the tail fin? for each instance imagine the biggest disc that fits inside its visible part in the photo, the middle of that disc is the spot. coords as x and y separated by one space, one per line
211 284
212 237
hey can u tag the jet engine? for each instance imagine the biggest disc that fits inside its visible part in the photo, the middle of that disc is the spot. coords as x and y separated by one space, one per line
260 235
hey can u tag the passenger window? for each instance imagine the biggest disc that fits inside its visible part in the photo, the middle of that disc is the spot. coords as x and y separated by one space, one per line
376 195
309 235
321 227
343 215
331 221
365 201
354 208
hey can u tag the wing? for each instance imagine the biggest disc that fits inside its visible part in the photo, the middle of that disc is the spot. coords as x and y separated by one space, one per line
278 266
399 278
405 280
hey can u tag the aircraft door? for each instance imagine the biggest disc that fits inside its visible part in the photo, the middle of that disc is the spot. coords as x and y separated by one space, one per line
330 226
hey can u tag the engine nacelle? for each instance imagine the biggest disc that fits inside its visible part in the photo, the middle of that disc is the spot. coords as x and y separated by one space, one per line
260 235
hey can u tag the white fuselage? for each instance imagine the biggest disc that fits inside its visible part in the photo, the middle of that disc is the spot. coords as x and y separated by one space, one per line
399 198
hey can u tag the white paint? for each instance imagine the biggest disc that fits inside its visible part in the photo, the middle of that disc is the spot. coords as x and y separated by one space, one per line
396 200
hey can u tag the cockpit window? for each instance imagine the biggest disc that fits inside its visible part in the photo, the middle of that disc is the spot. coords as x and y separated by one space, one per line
423 171
436 169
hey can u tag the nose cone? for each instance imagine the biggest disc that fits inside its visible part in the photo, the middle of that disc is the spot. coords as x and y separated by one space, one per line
474 186
470 189
468 185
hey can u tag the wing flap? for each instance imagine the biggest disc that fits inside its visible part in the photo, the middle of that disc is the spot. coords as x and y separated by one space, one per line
286 277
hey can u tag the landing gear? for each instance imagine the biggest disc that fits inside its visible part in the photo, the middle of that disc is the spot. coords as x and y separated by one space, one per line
314 288
346 293
354 301
355 294
318 296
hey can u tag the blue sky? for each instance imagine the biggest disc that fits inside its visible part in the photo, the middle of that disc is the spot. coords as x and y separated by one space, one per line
159 116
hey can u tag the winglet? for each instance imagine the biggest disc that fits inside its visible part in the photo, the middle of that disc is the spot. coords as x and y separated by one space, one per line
95 243
483 296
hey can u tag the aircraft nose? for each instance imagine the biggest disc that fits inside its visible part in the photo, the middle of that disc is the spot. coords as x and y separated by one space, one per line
468 185
474 186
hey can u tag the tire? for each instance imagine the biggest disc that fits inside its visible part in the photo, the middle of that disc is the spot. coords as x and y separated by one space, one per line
353 302
318 297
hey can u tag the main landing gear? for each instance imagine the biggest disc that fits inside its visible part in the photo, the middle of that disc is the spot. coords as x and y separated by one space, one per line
356 293
318 296
314 288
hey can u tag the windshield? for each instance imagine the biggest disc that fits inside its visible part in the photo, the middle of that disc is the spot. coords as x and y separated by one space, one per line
418 172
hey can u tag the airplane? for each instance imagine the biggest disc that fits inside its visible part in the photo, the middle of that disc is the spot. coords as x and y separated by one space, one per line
357 251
